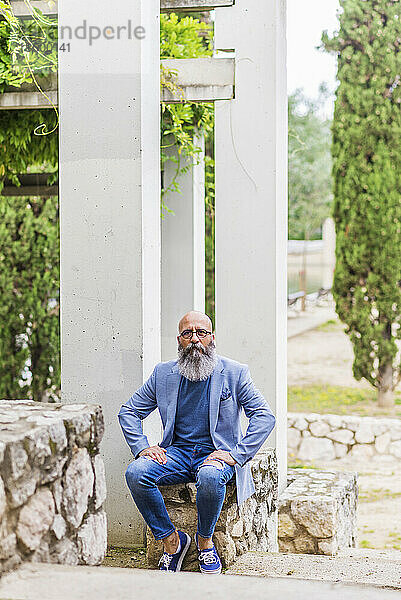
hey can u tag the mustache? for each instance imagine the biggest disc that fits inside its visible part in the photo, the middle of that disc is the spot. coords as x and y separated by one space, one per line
193 348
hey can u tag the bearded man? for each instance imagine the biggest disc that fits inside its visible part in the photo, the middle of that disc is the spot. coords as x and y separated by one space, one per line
199 397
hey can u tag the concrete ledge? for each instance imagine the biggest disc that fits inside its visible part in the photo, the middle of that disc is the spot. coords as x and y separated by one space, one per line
22 10
317 512
197 80
42 582
363 567
200 79
251 527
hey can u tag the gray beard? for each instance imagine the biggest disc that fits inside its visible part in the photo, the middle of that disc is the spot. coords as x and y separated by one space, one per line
195 364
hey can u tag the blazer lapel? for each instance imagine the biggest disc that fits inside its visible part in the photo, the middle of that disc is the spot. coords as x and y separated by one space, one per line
172 385
216 385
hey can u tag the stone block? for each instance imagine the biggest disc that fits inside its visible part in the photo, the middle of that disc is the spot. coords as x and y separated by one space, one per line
64 552
59 527
50 470
3 499
251 527
365 434
382 442
286 526
100 481
319 428
316 449
78 486
35 519
293 438
19 491
340 450
300 423
317 512
92 539
8 546
343 436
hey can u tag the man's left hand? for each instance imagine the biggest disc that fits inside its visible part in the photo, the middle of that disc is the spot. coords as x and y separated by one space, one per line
221 455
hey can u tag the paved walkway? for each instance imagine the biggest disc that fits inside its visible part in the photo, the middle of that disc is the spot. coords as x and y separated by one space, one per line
365 567
58 582
298 323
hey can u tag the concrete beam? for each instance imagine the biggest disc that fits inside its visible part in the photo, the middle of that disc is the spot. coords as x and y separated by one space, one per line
32 184
21 10
20 100
200 79
197 80
192 5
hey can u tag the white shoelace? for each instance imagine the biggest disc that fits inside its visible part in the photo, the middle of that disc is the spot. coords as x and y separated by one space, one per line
165 560
207 557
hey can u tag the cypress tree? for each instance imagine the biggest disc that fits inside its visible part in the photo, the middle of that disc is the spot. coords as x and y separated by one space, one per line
367 187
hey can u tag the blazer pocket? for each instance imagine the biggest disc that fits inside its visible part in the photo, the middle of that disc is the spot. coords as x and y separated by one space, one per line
225 395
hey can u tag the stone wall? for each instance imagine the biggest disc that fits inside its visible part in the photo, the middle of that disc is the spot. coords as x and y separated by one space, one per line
317 512
52 484
315 437
251 527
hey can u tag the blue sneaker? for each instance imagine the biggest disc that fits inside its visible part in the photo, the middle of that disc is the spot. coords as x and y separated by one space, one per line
209 560
171 563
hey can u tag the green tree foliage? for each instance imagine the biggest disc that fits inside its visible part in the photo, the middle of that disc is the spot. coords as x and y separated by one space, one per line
309 176
367 187
29 262
28 47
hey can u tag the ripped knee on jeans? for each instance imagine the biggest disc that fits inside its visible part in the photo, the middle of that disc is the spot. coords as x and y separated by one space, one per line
213 462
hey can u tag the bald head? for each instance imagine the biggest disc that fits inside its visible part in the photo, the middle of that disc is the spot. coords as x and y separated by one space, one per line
195 319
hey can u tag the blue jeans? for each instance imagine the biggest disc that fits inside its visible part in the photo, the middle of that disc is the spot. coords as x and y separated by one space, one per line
184 464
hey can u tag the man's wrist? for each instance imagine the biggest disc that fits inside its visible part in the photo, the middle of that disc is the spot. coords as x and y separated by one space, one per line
233 458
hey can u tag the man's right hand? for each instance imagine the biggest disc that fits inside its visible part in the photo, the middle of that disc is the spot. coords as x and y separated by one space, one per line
157 453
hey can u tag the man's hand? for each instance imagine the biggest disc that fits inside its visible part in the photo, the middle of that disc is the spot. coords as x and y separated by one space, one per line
157 453
221 455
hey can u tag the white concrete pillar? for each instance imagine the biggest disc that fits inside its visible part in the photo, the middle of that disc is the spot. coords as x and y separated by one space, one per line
251 202
329 252
109 100
183 245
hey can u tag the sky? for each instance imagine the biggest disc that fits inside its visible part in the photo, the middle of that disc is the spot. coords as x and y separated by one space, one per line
308 67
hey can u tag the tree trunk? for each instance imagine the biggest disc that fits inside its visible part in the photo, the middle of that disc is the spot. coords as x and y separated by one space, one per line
303 275
385 390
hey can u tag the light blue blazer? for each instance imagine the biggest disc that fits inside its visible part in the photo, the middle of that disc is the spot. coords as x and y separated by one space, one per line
231 389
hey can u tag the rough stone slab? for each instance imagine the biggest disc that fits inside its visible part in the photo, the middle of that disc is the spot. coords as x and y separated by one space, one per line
49 458
317 512
33 582
251 527
353 568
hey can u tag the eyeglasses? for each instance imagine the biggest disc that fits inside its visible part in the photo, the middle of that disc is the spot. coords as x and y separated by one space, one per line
188 333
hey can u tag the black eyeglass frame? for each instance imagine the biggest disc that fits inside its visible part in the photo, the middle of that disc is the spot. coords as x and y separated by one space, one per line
195 331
